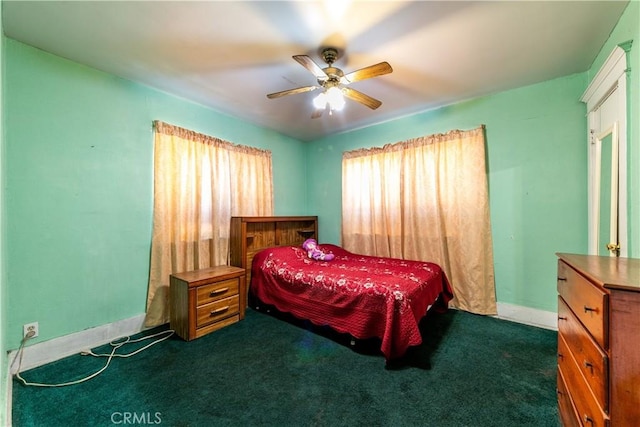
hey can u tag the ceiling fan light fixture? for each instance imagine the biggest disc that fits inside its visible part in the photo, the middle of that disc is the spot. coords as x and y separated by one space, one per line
320 101
335 99
332 97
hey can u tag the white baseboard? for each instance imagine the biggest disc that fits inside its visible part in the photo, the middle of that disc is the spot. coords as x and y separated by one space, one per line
49 351
528 316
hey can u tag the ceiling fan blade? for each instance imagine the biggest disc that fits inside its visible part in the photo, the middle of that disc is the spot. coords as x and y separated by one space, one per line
361 98
310 65
292 91
367 72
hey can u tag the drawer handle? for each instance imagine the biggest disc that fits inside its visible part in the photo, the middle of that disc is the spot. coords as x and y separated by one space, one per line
219 310
588 365
560 356
218 291
562 279
588 419
588 309
562 318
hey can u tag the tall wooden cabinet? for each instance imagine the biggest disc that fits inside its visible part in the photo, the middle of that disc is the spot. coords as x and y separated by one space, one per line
251 234
598 341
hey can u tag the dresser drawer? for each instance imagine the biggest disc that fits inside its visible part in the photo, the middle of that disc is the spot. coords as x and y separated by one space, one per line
215 291
589 303
589 412
217 310
568 414
593 363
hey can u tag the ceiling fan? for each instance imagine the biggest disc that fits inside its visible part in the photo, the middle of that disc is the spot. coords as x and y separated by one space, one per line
334 82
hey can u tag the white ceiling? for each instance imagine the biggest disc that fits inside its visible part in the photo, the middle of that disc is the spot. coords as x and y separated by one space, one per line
228 55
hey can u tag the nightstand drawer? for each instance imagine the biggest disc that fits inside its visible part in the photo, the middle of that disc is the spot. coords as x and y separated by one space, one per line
589 303
218 290
217 310
592 362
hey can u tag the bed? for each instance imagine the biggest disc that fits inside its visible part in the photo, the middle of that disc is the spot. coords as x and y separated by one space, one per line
363 296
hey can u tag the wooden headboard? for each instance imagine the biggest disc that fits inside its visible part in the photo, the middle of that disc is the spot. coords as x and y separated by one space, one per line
251 234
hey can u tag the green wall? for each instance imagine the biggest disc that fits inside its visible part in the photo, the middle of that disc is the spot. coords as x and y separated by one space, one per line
3 281
537 178
79 184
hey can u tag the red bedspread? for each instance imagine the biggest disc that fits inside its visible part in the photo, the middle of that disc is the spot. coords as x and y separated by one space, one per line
361 295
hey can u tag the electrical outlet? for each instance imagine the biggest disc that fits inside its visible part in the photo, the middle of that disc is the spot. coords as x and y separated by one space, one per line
30 327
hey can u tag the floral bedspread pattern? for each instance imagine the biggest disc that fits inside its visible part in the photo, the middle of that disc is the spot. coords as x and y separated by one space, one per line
364 296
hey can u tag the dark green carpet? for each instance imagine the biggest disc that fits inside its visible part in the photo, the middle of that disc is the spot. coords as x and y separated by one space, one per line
263 371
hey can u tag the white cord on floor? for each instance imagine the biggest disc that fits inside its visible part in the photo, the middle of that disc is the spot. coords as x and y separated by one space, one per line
109 356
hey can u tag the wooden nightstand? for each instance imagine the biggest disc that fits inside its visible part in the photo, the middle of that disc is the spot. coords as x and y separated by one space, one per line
206 300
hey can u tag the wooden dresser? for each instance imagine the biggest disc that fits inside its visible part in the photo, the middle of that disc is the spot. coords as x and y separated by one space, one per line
598 341
249 235
206 300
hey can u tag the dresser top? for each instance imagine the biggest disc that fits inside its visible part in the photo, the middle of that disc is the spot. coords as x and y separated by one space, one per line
610 272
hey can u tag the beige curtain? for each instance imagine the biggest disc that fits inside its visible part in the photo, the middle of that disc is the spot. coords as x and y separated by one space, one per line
425 199
200 182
